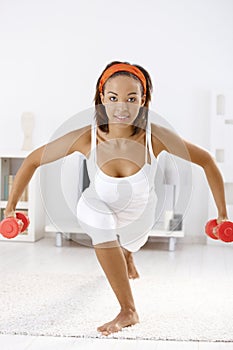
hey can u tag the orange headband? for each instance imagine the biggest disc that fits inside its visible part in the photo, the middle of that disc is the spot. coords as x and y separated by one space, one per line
122 67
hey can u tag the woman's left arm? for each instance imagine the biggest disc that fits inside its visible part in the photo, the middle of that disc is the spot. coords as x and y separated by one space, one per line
166 140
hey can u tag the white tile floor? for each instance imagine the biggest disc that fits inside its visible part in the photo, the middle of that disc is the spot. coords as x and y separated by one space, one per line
190 260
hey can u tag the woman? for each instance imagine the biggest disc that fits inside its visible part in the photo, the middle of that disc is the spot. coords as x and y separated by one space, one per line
120 199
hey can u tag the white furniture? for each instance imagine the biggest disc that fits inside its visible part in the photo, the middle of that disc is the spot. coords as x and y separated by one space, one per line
32 203
221 147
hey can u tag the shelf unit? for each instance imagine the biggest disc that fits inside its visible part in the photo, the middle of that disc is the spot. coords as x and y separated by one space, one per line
221 147
31 205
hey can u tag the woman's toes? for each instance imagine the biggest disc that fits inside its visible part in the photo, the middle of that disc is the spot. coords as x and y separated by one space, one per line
105 333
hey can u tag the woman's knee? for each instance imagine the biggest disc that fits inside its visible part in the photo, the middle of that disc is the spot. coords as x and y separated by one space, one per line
110 244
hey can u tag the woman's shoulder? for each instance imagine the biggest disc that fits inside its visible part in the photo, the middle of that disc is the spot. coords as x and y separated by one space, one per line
158 135
158 130
83 134
82 140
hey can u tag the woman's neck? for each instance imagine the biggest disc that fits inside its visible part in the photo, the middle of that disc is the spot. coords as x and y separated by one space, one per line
118 131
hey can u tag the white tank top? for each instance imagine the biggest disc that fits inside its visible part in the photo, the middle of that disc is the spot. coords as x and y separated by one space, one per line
123 194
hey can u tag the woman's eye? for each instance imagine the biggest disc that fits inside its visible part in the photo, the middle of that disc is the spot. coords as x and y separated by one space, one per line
131 98
112 97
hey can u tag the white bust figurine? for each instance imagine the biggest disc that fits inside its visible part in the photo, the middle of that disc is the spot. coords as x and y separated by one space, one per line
27 123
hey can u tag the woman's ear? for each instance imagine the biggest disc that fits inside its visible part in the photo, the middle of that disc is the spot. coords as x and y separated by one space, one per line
102 97
143 100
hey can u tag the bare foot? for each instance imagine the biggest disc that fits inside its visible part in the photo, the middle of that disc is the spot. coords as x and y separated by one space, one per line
124 319
132 271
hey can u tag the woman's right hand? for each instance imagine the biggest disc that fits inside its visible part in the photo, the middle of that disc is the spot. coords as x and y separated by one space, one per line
8 213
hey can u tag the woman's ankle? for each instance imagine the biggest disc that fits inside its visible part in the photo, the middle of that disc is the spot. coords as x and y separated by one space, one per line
128 309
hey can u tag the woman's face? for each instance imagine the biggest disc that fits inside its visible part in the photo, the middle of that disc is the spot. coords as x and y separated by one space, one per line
122 99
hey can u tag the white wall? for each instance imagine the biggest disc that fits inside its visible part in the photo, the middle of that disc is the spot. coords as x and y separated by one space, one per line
52 53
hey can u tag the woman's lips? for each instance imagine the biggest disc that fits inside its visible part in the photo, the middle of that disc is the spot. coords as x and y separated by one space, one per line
121 118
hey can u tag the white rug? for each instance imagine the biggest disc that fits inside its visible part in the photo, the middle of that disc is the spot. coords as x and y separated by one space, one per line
74 305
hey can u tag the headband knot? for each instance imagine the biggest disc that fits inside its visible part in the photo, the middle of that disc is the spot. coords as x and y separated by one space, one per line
119 67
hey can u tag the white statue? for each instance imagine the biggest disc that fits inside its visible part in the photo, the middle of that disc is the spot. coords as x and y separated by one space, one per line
27 123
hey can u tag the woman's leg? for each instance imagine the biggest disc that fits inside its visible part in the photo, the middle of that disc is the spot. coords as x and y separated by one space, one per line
112 261
132 271
98 220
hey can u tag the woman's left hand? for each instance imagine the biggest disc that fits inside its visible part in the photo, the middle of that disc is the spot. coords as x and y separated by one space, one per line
221 219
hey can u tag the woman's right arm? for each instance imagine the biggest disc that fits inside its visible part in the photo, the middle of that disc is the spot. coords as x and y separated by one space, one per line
59 148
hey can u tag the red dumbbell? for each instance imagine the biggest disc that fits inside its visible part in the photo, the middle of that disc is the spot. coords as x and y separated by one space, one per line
224 230
11 227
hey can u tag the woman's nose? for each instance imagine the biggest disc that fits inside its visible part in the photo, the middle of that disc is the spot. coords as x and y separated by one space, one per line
121 107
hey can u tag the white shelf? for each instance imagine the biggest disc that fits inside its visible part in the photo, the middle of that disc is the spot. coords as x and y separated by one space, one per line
20 205
64 227
20 238
164 233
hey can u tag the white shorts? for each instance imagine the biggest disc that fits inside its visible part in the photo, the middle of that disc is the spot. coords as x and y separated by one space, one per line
103 224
